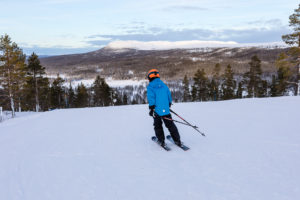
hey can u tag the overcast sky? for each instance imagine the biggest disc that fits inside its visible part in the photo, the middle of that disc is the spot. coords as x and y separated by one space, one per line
52 27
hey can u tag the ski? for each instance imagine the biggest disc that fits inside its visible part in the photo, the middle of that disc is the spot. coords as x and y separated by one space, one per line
165 147
182 146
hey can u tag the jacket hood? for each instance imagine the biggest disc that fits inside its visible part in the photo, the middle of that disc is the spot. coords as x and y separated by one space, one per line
156 83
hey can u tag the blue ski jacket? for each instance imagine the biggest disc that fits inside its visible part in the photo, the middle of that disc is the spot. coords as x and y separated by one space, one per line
159 95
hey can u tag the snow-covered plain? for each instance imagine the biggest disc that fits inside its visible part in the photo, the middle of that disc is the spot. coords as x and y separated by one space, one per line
111 82
251 152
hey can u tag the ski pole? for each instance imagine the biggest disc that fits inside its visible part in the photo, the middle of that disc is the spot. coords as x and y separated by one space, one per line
195 127
179 122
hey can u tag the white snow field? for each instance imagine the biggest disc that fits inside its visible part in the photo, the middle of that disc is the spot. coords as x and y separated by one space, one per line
251 152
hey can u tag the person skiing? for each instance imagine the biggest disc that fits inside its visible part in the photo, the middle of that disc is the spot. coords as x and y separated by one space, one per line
160 101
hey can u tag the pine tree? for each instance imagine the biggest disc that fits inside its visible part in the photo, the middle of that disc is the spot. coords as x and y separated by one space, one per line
200 86
90 97
116 98
252 79
81 99
98 93
35 72
29 101
44 93
214 91
263 92
12 70
71 96
125 99
228 85
186 89
294 38
194 93
273 87
57 93
102 92
216 78
283 74
239 92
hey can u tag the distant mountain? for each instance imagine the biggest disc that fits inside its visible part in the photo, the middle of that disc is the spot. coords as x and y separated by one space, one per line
40 56
44 56
125 63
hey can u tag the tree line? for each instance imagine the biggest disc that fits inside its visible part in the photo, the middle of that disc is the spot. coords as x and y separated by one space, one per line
251 84
24 86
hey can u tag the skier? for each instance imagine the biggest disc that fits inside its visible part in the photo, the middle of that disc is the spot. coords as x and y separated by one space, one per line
160 101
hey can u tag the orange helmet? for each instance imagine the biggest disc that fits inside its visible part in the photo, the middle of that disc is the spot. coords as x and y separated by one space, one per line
153 73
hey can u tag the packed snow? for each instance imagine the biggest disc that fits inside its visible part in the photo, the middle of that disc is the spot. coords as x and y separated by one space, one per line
252 151
6 115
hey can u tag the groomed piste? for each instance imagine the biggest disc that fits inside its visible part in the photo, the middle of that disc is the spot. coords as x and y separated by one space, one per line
251 152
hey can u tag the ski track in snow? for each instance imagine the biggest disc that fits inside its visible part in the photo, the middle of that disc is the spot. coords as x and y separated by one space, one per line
251 151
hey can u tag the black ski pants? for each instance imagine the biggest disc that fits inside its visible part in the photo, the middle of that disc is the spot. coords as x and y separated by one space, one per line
159 131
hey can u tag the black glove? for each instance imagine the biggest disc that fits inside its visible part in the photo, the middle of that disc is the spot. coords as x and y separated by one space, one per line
151 110
170 104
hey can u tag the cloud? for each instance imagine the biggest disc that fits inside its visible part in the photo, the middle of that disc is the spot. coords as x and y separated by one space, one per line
266 23
98 42
159 34
253 35
242 35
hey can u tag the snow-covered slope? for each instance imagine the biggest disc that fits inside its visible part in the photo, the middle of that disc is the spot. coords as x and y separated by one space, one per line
164 45
251 152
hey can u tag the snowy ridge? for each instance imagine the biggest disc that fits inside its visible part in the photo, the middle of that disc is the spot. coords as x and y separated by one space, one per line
251 151
121 46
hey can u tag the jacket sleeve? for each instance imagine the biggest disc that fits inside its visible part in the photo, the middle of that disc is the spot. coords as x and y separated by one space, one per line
150 96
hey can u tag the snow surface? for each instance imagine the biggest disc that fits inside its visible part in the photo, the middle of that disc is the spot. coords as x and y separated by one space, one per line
6 115
163 45
111 82
251 152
